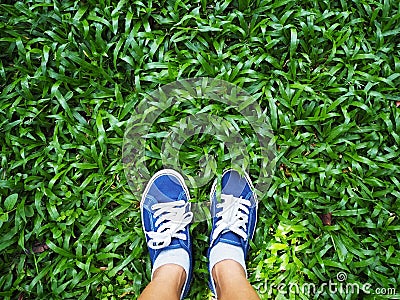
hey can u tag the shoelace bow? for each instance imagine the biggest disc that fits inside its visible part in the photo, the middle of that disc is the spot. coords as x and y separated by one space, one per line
173 218
233 216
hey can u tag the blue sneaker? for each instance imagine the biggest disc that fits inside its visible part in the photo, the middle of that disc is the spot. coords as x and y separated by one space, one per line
166 216
234 219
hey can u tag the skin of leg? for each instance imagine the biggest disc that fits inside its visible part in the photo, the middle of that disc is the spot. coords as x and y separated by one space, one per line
167 283
231 282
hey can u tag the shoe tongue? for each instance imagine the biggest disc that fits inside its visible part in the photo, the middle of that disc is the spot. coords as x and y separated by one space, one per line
230 237
174 244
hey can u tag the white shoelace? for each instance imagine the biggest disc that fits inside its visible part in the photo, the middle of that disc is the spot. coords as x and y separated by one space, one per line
233 216
174 217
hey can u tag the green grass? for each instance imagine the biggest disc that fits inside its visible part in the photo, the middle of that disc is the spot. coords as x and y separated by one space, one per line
327 74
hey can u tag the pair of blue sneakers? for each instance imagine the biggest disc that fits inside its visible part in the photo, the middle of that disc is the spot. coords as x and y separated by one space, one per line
166 216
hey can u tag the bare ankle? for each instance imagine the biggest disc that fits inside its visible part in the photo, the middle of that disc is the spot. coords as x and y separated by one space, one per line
173 273
226 270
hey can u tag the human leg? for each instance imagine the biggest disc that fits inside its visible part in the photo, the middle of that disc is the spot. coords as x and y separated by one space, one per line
231 282
166 284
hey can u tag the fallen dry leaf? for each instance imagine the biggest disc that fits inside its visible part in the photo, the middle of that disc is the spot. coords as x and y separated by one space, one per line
39 248
327 219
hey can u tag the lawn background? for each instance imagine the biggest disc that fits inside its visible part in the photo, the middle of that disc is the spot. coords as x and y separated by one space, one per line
327 74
